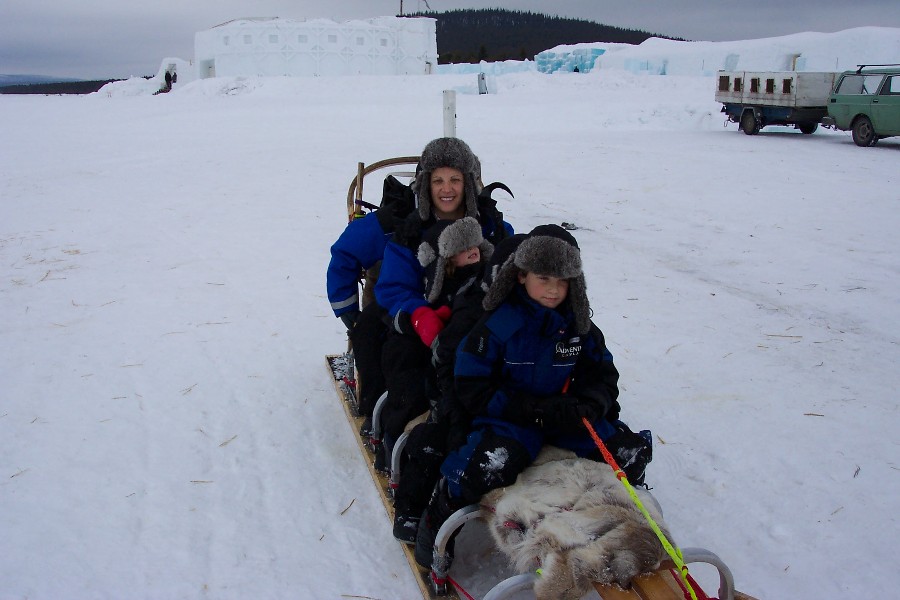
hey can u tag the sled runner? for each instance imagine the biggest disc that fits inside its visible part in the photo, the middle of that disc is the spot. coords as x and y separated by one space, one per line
670 581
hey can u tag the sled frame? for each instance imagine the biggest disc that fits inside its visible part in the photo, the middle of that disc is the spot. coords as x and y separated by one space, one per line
355 193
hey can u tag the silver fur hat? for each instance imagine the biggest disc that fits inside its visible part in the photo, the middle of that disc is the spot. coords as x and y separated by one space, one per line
453 153
441 242
547 250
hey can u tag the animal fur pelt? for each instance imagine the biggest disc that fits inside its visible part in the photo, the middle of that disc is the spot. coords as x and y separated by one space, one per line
575 520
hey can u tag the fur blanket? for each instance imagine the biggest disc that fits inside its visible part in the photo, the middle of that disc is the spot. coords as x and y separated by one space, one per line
572 518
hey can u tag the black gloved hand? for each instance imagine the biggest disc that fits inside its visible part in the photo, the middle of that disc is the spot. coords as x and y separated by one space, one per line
574 409
349 318
553 412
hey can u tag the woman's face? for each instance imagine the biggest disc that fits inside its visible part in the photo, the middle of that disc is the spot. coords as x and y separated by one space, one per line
447 187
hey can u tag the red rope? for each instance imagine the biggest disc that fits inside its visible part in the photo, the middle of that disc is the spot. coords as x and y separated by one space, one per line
460 588
607 456
701 595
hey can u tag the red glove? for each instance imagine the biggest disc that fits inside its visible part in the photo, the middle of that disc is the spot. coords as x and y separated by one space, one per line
444 313
427 323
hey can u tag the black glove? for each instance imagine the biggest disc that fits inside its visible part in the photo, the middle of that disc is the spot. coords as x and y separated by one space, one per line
574 409
349 318
554 412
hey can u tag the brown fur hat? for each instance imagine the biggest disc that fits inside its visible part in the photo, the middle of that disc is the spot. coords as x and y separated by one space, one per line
441 242
547 250
453 153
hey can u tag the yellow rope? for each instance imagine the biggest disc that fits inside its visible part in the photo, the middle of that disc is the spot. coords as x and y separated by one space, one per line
673 552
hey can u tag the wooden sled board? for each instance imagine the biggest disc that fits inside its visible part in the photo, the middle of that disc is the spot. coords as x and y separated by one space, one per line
660 585
423 577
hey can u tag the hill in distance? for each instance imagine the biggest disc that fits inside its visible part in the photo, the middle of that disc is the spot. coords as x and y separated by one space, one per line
8 80
495 34
42 84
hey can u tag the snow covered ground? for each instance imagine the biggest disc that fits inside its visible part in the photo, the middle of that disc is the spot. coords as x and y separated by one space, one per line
167 425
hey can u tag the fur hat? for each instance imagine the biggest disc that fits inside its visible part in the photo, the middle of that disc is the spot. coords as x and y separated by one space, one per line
441 242
453 153
547 250
502 251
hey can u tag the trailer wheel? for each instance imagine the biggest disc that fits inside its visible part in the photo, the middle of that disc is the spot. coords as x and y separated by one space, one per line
863 133
807 128
749 124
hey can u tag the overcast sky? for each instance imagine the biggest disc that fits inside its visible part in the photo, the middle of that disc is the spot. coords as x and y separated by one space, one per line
98 39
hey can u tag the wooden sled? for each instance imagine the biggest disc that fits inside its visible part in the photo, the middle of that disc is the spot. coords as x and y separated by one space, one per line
663 584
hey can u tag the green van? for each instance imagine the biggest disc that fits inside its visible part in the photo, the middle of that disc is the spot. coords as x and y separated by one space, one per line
867 102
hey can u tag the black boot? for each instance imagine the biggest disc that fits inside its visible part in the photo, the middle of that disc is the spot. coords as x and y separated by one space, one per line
365 430
440 508
633 451
406 526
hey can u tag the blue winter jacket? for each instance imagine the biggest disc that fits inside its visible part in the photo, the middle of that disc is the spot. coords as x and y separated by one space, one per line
523 348
401 283
359 247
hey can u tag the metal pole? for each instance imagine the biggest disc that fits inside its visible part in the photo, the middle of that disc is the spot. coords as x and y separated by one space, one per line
449 113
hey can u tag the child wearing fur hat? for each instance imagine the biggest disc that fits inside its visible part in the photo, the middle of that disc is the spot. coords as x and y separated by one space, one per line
452 255
531 368
448 423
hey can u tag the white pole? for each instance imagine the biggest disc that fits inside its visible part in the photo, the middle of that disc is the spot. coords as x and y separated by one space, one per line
449 113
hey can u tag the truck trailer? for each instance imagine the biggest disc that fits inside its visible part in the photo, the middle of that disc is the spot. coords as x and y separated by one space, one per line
755 99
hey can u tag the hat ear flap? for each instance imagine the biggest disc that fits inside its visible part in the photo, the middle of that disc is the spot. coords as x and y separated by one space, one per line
434 292
502 285
422 190
487 250
578 300
471 196
426 254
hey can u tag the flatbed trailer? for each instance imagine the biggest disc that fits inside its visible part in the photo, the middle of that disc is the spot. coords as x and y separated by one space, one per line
755 99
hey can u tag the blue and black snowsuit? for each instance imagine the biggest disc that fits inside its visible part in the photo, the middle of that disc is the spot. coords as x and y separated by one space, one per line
448 423
360 247
401 287
401 290
520 351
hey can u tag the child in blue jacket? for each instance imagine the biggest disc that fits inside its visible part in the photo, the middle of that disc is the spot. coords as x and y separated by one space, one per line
531 368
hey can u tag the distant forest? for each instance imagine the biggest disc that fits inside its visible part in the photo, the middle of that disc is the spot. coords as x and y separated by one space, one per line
63 87
496 34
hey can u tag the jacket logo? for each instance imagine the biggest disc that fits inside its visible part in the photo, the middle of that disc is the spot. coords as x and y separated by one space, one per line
568 350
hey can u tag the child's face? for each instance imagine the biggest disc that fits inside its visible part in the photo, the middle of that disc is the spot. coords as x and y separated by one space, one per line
546 290
469 256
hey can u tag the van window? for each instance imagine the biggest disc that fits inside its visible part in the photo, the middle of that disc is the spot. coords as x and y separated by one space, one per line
724 81
892 85
859 84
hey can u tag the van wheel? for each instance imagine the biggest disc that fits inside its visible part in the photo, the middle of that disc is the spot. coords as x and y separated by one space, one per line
807 128
749 124
863 133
